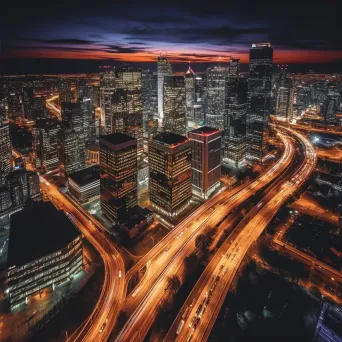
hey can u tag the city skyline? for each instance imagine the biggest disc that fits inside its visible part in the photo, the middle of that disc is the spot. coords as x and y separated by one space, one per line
187 31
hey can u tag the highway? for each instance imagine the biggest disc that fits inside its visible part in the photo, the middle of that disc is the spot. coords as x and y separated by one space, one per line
100 323
56 110
168 262
202 307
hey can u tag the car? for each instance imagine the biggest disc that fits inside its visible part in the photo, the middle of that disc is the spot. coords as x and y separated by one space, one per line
120 274
102 327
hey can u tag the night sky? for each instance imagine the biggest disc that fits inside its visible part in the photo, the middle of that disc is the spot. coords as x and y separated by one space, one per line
66 36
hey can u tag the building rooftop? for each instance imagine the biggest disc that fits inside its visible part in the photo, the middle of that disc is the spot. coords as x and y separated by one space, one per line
169 138
86 176
116 138
38 230
205 130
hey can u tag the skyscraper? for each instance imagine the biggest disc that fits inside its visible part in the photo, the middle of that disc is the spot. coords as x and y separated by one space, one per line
88 115
259 99
163 69
200 99
126 104
170 173
284 104
190 96
71 152
174 105
5 152
107 87
149 90
118 172
234 66
44 144
330 106
303 99
216 79
234 134
206 160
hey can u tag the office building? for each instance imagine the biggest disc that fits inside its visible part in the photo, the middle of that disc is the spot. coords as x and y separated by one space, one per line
303 99
107 88
88 116
15 104
234 134
18 185
118 172
206 160
170 181
28 97
234 66
200 99
126 104
5 152
330 106
33 184
92 154
284 104
149 91
216 80
5 199
84 185
174 105
44 144
190 96
163 69
45 250
71 153
259 99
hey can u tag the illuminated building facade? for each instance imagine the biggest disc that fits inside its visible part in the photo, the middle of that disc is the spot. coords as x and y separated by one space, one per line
5 152
84 185
163 69
45 250
118 174
71 153
206 160
303 99
107 88
174 105
190 96
92 154
200 99
330 106
216 81
170 173
259 99
285 98
126 104
234 66
149 90
234 134
44 144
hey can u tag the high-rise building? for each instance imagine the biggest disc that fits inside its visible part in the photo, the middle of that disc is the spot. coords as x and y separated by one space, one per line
5 152
200 99
88 115
149 90
206 160
28 102
174 105
18 186
330 106
126 109
234 66
259 99
107 88
284 104
216 80
190 96
15 104
71 152
163 69
44 144
303 99
234 134
118 174
33 184
5 199
170 173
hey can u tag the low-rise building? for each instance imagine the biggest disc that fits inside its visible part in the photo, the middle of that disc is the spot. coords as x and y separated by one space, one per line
45 250
84 185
